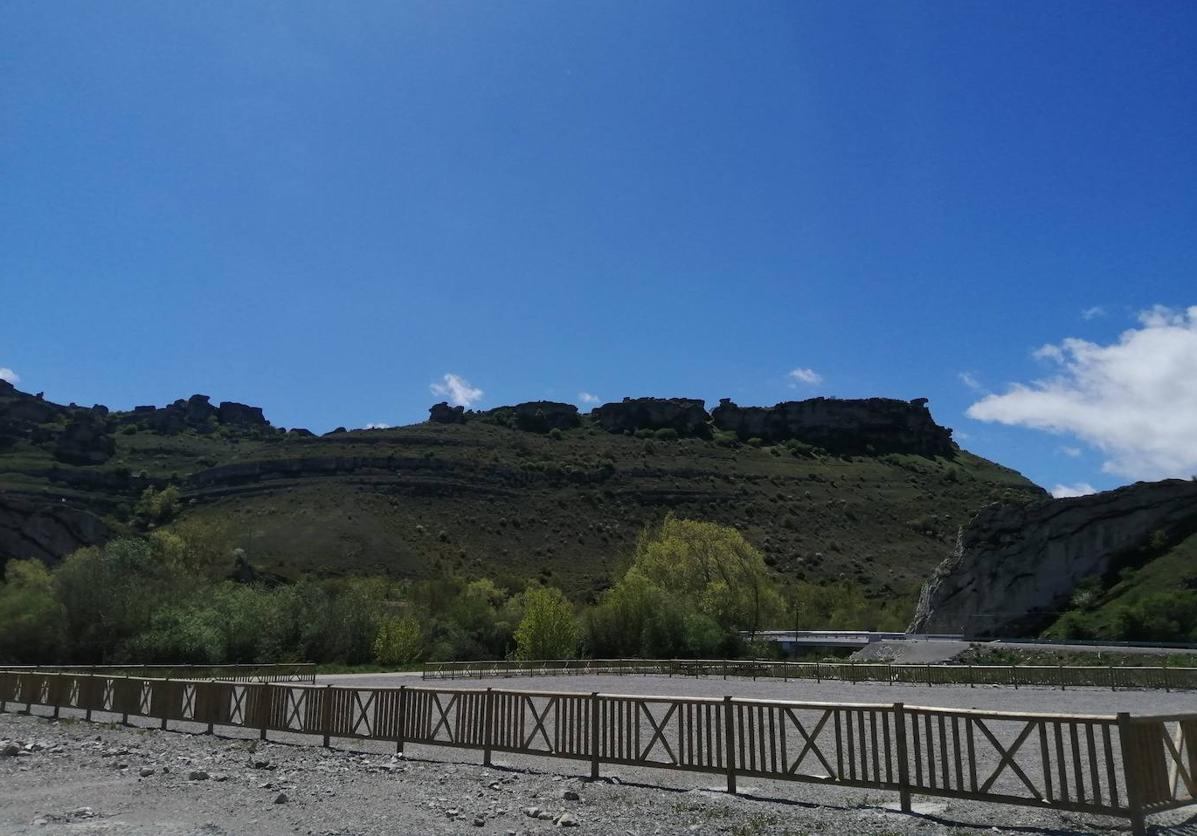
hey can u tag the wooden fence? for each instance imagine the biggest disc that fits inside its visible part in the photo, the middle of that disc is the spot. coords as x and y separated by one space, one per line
1055 676
1115 765
282 672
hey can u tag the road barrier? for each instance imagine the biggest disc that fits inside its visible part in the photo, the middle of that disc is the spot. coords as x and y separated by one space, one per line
283 672
1055 676
1116 765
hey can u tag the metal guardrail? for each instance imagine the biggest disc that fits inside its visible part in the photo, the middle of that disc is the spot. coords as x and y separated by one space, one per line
1115 765
1054 676
282 672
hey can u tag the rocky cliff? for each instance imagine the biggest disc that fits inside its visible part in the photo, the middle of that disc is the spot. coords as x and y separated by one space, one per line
687 416
853 426
1014 568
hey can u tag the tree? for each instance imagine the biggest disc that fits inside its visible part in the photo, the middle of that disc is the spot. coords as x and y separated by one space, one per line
548 629
157 506
713 567
399 641
32 622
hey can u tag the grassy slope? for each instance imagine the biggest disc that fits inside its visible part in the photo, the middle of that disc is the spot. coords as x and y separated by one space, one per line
488 500
1172 570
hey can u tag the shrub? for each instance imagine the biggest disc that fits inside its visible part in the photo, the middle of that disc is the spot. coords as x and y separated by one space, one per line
156 507
666 434
556 434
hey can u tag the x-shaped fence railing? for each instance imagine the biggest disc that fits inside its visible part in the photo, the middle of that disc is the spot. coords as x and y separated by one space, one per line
1116 765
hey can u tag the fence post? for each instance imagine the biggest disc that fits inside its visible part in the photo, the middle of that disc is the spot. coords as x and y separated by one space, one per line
165 685
124 703
1060 673
263 695
1014 676
903 774
1130 776
487 731
326 713
57 692
595 736
928 667
729 744
402 719
91 690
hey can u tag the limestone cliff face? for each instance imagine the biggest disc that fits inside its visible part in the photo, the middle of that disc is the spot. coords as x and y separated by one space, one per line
858 426
1015 567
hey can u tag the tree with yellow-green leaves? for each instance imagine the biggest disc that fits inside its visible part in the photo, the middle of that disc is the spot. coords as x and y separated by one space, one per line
691 588
548 629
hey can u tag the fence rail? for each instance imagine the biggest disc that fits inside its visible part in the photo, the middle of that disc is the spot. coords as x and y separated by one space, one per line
1115 765
282 672
1055 676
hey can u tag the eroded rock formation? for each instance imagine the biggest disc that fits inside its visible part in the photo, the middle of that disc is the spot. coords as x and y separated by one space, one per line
1014 567
869 425
688 416
47 531
442 413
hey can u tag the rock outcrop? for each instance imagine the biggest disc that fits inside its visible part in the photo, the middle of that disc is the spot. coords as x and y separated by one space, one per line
198 414
688 416
87 440
869 425
442 413
1015 567
538 416
31 528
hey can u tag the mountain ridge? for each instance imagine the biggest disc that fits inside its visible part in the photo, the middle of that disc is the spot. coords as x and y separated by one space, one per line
534 489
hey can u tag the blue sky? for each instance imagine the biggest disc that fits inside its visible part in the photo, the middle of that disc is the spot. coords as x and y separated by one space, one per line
325 208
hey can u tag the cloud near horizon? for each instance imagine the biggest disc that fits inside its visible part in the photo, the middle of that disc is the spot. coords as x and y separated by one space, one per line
1135 400
807 376
1079 489
587 397
457 390
8 375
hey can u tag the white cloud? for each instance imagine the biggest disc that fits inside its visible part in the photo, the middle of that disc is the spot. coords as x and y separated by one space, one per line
1071 452
1079 489
970 380
457 390
9 375
1135 399
808 376
377 425
586 397
1095 312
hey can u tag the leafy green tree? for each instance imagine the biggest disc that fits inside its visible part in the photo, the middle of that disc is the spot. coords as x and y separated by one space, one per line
32 621
713 567
399 641
548 629
156 507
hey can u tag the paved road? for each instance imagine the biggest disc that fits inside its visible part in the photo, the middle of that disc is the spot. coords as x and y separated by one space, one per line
924 651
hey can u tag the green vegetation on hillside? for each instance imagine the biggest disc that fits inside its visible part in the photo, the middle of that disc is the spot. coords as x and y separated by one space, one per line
690 589
1152 596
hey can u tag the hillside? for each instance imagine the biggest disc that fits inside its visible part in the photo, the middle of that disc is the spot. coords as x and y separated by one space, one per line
870 491
1120 564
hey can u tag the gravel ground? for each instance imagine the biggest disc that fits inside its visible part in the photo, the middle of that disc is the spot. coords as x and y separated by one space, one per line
1072 701
71 776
